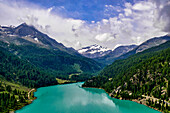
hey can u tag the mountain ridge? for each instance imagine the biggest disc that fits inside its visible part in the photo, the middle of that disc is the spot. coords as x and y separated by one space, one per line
30 44
26 34
108 59
143 77
146 45
94 51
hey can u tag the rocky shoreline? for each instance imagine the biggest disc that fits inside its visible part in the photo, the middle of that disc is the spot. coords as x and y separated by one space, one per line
139 101
134 100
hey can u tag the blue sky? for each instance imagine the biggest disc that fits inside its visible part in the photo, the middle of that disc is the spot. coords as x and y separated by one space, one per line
88 10
80 23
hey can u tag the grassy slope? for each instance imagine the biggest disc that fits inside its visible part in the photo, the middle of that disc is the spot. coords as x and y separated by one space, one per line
22 92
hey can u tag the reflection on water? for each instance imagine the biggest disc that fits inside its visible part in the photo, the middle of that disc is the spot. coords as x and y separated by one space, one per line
71 98
99 96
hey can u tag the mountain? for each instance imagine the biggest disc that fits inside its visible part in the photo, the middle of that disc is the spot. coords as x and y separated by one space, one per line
110 57
15 69
123 52
17 77
103 54
143 76
31 45
30 59
94 51
28 35
152 43
147 44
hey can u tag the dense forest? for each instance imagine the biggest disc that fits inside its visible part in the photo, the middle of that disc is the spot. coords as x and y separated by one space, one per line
146 74
13 69
31 65
13 96
57 63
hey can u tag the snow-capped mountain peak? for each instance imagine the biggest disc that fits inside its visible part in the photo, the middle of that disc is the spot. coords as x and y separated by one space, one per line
94 51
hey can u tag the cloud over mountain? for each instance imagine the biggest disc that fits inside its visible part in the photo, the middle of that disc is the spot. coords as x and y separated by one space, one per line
132 23
163 14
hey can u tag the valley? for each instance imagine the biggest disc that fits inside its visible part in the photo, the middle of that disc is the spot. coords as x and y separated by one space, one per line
141 77
32 60
74 98
84 56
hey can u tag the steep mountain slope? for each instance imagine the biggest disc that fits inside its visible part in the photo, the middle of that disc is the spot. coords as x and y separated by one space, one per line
14 69
145 45
30 59
28 35
16 75
116 67
141 76
29 44
56 61
110 57
94 51
123 52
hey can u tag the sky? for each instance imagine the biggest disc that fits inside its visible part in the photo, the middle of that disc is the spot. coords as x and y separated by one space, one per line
80 23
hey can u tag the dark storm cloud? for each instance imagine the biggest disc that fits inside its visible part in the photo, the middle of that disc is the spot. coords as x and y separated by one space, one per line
163 8
165 13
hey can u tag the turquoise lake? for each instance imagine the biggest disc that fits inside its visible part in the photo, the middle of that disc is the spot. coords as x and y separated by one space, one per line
70 98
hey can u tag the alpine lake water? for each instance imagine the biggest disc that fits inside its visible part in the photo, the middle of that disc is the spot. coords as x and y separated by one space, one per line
71 98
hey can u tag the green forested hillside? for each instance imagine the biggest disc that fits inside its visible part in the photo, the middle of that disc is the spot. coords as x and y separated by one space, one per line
59 63
120 66
13 96
144 75
34 66
16 75
39 49
14 69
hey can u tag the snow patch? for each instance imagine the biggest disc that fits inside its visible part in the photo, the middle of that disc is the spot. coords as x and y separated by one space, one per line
36 39
82 50
94 49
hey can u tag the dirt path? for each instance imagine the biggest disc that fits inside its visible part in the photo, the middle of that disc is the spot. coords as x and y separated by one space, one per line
30 92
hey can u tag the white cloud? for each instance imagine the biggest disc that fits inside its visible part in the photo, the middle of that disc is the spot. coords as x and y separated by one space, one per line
104 37
43 19
128 5
105 21
136 24
128 12
92 22
142 6
162 11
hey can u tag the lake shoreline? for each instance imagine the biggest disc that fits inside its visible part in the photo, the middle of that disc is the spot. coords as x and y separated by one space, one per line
29 100
134 100
139 102
34 90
